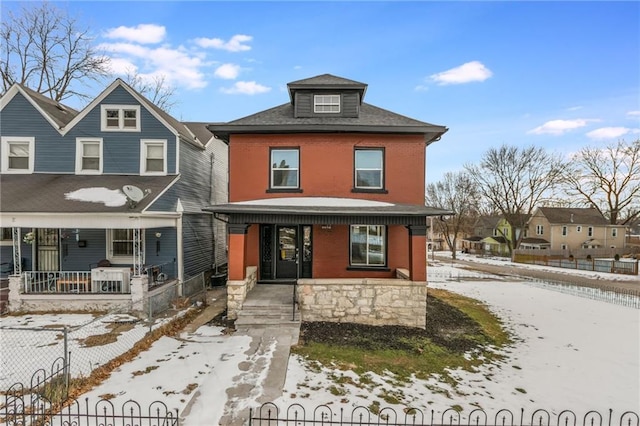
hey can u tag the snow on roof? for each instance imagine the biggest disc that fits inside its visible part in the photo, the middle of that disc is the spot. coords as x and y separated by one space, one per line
314 202
109 197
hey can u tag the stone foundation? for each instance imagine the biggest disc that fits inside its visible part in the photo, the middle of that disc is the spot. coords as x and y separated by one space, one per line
237 291
364 301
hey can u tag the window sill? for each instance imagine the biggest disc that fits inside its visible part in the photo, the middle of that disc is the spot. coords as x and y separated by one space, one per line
369 191
368 268
284 191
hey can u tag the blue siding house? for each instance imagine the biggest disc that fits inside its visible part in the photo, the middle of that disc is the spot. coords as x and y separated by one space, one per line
91 199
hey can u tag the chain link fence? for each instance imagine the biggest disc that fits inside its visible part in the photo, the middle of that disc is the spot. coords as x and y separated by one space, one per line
88 341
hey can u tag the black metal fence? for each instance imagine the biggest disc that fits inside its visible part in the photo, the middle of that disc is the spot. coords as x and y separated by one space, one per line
296 414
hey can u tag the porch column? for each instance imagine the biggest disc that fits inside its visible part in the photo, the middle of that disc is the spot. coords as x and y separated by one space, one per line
418 252
138 259
237 250
17 253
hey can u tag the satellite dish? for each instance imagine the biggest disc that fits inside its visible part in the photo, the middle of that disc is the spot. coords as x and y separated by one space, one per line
134 194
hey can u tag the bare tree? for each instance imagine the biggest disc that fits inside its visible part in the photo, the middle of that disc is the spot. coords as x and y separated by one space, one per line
45 49
155 88
459 193
515 180
608 178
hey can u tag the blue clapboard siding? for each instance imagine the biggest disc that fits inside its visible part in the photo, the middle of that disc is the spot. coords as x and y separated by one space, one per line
76 258
121 150
166 257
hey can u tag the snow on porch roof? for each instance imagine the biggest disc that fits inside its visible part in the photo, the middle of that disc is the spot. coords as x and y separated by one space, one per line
325 206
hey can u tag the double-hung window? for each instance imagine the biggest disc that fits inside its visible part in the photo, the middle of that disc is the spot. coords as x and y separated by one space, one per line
122 118
564 231
18 154
120 245
326 103
539 229
368 245
153 157
88 156
285 168
590 231
614 232
369 168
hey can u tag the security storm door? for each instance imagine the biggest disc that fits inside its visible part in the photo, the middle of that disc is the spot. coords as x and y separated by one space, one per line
287 252
47 249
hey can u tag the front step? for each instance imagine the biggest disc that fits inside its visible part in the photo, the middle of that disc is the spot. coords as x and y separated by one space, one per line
274 315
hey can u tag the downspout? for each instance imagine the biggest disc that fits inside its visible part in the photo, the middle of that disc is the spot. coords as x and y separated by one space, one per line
180 244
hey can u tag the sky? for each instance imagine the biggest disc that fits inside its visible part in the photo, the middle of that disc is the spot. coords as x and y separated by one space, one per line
568 353
559 75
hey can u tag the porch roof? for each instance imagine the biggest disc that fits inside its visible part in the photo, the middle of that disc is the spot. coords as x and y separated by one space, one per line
81 201
62 193
325 210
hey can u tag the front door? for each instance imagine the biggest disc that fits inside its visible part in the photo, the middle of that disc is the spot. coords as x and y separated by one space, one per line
287 252
47 250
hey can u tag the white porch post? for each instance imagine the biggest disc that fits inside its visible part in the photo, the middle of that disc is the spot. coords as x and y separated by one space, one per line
137 252
17 252
180 256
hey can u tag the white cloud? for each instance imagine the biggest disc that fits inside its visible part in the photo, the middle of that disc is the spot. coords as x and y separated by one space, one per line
121 66
421 88
610 132
227 71
633 114
235 43
558 127
465 73
177 65
246 88
574 108
143 33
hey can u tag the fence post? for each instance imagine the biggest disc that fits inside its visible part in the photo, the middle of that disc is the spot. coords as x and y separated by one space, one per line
67 361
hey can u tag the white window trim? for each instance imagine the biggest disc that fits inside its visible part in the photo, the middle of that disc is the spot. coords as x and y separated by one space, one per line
121 259
143 156
79 143
614 232
539 229
381 169
121 128
6 141
565 231
317 103
590 231
385 241
578 228
273 169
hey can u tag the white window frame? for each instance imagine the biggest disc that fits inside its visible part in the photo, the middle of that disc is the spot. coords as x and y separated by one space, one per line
121 124
385 241
144 143
356 169
121 259
273 169
327 104
6 143
539 229
614 232
6 241
565 231
590 231
578 228
563 246
79 155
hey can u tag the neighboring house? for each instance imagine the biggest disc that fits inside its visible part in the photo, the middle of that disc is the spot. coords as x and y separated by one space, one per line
484 227
572 229
120 184
329 190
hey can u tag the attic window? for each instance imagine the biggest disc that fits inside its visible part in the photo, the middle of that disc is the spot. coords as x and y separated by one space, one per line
326 103
122 118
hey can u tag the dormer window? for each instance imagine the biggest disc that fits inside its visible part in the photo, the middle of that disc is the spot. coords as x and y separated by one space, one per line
120 118
326 103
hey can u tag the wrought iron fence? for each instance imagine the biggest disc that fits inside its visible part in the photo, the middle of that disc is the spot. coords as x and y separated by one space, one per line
21 410
296 414
615 295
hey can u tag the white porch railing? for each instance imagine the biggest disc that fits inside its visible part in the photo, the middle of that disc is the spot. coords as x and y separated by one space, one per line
117 281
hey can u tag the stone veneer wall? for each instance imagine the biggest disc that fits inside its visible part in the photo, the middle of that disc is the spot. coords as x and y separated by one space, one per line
364 301
237 291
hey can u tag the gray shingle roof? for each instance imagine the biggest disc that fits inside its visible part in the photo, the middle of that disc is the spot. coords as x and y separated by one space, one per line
327 80
45 193
59 113
281 119
579 216
200 130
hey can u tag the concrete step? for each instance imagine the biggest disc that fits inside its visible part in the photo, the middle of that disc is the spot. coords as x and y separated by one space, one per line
267 311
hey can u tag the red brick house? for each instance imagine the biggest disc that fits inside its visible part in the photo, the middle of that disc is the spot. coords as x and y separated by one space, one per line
327 189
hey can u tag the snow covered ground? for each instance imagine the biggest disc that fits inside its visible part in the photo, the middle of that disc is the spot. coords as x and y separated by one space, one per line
568 353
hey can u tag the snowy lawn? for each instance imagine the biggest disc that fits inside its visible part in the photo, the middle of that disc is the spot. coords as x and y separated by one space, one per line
569 352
